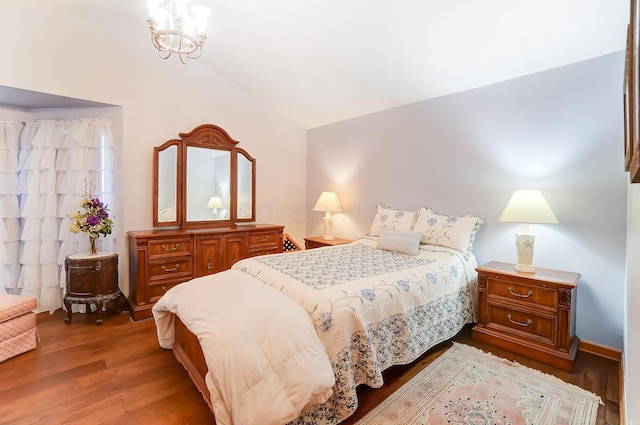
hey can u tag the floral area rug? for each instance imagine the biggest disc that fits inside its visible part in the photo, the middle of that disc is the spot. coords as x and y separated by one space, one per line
468 386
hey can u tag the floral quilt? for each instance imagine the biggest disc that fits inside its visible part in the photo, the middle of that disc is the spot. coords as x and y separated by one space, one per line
371 308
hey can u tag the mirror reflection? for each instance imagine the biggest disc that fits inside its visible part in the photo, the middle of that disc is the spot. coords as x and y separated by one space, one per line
167 184
245 187
208 184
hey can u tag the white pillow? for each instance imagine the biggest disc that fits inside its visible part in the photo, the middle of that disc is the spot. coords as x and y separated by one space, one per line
445 230
403 242
388 218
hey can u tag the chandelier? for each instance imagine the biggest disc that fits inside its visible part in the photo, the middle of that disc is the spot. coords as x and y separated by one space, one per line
174 30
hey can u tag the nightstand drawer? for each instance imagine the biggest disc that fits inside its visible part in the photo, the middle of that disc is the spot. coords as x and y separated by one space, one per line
524 324
520 293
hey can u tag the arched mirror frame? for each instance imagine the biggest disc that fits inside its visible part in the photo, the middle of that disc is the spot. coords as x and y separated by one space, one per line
212 137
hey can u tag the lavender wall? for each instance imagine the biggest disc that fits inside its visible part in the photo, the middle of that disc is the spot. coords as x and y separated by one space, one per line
559 131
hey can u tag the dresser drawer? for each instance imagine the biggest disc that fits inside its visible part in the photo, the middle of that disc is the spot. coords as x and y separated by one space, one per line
263 251
170 247
522 293
158 289
525 324
259 240
172 268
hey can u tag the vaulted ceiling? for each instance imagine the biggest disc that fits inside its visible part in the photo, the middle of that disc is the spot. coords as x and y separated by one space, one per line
322 61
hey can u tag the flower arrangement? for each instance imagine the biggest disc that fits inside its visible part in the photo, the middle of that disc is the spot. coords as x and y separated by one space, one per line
92 218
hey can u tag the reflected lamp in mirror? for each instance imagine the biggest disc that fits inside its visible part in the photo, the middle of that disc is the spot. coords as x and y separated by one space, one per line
527 207
328 202
215 202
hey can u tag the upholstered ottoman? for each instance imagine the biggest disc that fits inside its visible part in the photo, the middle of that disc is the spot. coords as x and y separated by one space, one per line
17 325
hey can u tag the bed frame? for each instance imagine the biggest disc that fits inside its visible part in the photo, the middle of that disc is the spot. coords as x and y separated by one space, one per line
187 350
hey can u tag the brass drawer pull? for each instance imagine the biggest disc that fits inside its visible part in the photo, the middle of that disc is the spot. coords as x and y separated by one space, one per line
515 294
515 322
264 239
171 270
176 245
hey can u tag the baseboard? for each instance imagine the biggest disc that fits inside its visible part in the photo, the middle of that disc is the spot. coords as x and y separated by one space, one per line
600 350
623 410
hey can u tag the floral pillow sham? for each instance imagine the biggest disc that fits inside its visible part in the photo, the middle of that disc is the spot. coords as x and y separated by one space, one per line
388 218
457 232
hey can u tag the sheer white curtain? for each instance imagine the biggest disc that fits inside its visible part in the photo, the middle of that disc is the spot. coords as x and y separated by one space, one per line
9 211
55 160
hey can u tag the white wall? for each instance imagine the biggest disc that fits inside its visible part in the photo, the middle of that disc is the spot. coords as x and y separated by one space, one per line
82 55
631 310
560 131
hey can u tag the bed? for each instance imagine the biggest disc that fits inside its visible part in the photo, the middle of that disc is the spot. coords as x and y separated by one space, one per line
380 301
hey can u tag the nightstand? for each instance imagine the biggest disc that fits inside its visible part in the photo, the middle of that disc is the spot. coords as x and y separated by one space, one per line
317 242
91 279
530 314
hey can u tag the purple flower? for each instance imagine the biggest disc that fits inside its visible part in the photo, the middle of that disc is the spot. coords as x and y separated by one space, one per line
432 221
432 278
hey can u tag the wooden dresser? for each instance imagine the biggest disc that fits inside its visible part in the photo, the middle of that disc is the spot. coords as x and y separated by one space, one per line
161 259
530 314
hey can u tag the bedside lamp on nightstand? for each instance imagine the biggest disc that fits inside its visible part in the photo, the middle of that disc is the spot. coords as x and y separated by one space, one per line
328 202
527 207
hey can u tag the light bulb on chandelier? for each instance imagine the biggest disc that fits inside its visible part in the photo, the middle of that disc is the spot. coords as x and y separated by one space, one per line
173 30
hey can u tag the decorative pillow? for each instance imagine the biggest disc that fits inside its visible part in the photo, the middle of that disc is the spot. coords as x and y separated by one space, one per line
388 218
445 230
403 242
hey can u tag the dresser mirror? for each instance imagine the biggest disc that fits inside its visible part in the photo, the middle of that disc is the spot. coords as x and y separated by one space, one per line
203 180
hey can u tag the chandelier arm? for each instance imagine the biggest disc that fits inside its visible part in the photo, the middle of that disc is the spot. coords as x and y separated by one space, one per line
175 40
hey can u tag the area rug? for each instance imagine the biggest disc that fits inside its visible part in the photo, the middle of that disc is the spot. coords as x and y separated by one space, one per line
468 386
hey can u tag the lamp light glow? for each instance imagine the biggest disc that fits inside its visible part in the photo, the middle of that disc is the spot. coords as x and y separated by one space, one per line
527 207
328 202
215 202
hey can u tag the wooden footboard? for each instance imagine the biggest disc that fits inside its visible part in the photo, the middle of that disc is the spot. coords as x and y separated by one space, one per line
189 354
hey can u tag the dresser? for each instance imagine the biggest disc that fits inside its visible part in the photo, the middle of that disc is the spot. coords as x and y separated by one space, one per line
160 259
91 279
530 314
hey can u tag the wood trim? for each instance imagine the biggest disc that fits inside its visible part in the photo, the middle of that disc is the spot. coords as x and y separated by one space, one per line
600 350
623 409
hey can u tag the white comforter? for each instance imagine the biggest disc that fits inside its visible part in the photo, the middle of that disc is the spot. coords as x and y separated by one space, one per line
265 361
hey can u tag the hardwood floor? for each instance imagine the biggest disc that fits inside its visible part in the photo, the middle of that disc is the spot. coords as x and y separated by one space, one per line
117 374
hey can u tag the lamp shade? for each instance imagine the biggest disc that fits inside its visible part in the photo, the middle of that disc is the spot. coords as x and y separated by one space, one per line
214 202
328 202
528 206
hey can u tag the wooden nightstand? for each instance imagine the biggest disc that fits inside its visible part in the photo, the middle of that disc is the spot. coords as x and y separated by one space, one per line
91 279
530 314
317 242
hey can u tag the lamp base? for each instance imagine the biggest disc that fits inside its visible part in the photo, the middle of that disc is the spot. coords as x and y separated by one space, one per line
524 268
524 246
328 227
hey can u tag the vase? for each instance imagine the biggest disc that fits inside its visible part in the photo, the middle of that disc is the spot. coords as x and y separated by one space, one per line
92 245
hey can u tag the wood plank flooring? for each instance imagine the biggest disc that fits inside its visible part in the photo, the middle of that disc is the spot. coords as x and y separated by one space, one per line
117 374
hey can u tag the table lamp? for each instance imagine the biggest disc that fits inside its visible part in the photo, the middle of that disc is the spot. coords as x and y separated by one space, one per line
328 202
527 207
215 203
